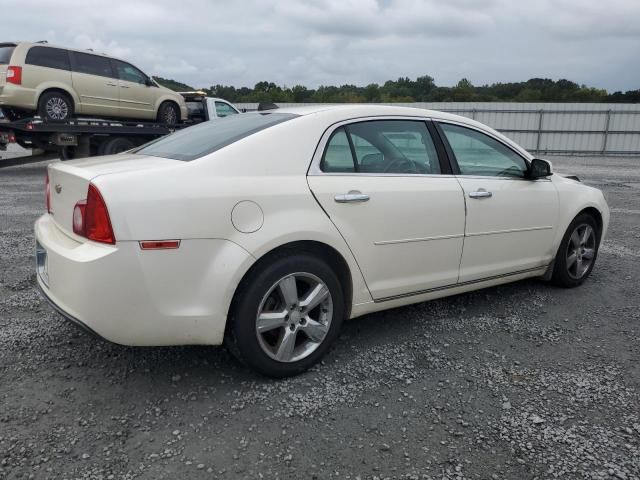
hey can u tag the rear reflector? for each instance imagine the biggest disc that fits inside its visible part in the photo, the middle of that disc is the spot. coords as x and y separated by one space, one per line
159 244
14 75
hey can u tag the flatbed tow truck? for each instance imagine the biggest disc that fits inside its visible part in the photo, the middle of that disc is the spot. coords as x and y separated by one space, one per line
88 137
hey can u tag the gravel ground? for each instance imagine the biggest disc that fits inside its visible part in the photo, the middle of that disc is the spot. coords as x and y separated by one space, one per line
520 381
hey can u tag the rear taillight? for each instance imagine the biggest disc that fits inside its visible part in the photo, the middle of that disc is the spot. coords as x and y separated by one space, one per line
91 218
14 75
47 193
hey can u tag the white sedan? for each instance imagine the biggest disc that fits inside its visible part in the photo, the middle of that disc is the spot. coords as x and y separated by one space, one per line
264 231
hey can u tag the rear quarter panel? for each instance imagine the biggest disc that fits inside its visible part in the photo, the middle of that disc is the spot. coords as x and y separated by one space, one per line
195 200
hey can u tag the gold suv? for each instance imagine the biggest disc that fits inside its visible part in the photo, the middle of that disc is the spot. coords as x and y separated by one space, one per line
59 83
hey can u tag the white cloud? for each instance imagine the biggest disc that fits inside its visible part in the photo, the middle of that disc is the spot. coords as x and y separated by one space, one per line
349 41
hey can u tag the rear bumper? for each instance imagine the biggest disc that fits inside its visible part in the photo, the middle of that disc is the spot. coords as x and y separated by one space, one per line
18 97
66 315
142 298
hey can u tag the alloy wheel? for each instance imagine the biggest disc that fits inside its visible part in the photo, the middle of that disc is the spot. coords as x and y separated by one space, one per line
57 108
294 317
581 251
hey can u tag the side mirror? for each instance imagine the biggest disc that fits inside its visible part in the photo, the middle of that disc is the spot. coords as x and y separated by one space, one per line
149 83
539 169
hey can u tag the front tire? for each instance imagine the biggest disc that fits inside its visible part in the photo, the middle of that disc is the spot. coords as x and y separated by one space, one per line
168 114
55 107
577 252
286 315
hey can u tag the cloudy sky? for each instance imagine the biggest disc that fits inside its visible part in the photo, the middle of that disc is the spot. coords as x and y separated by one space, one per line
596 42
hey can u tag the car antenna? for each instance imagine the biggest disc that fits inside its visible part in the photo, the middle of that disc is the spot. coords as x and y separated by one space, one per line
42 41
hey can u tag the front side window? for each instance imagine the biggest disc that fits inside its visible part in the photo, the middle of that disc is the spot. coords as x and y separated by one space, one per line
129 73
92 64
382 146
207 137
48 57
224 109
479 154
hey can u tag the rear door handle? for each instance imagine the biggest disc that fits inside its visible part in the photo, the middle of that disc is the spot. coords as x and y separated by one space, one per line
111 85
353 196
480 194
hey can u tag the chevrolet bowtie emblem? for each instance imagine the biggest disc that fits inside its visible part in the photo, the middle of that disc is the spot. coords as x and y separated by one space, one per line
58 188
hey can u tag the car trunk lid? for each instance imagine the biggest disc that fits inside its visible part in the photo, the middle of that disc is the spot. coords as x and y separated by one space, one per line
69 181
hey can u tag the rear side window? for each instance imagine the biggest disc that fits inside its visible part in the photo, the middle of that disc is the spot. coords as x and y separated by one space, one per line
382 146
5 53
48 57
92 64
207 137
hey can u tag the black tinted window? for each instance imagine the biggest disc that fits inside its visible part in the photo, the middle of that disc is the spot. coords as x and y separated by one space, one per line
207 137
48 57
92 64
5 53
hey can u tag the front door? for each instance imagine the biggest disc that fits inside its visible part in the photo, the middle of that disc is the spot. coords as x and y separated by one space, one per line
137 98
381 183
511 220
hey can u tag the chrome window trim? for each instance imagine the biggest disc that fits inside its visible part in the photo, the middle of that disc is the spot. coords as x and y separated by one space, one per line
314 167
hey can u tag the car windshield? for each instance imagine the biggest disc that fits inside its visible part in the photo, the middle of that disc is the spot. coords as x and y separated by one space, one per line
5 53
199 140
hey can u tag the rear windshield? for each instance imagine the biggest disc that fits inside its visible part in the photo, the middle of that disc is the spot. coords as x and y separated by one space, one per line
5 53
199 140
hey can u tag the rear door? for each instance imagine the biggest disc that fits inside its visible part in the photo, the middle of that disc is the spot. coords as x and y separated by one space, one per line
95 83
384 186
511 220
137 98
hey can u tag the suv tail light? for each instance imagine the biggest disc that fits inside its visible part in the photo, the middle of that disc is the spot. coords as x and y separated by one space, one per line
47 193
14 75
91 218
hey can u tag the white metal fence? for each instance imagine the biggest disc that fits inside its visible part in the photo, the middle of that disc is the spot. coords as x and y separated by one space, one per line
551 128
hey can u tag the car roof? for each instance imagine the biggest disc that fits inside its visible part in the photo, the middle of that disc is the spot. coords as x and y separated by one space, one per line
87 50
331 114
353 110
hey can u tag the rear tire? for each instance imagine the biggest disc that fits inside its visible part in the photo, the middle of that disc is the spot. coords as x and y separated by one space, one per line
275 325
577 253
68 153
168 114
115 145
55 107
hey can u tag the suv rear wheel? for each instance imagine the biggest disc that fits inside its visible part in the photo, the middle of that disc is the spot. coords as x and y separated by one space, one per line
55 106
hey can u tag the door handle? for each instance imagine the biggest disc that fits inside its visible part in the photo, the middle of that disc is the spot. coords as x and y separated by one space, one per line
480 194
124 86
353 196
111 85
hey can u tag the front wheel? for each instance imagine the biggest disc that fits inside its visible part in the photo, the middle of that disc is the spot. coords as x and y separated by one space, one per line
286 315
168 113
577 252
